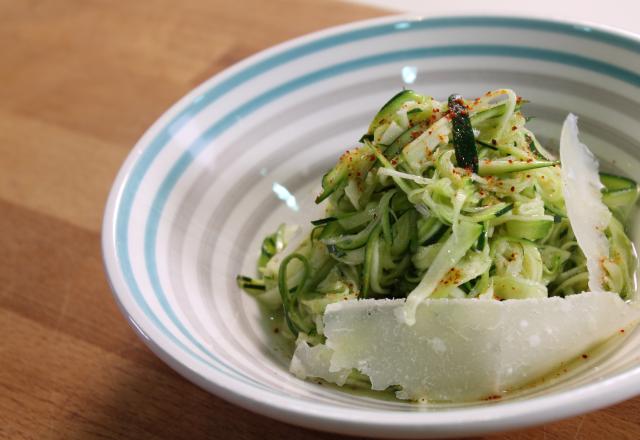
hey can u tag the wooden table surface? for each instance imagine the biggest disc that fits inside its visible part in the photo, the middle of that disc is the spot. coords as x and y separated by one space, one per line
79 83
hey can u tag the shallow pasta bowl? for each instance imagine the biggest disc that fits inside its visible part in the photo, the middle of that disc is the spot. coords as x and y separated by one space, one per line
244 151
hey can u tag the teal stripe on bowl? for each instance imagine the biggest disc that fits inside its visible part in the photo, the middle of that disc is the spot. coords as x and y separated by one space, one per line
210 96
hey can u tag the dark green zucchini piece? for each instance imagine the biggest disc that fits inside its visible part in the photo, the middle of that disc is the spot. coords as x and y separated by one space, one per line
464 141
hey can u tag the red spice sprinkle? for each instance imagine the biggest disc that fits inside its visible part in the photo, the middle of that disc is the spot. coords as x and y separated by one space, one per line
372 158
584 356
621 330
514 128
494 142
528 176
394 162
529 160
510 161
358 174
513 188
493 397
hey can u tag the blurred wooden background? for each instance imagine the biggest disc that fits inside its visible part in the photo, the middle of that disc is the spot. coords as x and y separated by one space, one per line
80 81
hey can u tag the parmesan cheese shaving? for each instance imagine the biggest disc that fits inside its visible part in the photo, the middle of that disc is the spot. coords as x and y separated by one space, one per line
462 349
581 186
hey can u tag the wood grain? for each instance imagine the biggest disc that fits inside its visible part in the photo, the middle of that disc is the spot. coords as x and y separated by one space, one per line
79 83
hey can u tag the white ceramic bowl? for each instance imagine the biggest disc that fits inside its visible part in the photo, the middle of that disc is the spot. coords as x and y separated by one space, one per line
244 152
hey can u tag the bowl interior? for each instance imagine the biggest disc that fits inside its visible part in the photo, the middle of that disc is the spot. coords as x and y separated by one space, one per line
246 150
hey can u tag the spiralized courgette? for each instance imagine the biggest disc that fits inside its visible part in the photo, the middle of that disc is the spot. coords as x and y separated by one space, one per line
453 199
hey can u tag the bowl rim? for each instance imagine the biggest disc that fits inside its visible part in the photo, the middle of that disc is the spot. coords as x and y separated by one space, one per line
458 421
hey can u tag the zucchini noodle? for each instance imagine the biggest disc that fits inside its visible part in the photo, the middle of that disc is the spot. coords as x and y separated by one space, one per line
452 199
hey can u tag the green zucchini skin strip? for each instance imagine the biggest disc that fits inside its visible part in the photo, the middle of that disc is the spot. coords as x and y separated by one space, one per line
401 232
613 182
431 231
533 230
505 166
385 219
331 230
354 220
323 221
491 212
358 160
392 106
532 147
464 140
289 302
620 194
368 260
332 180
253 286
490 113
349 242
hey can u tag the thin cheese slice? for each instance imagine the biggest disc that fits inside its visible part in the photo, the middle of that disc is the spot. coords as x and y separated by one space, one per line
315 361
588 215
463 349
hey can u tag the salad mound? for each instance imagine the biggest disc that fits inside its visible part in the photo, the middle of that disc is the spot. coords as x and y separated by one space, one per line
456 226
